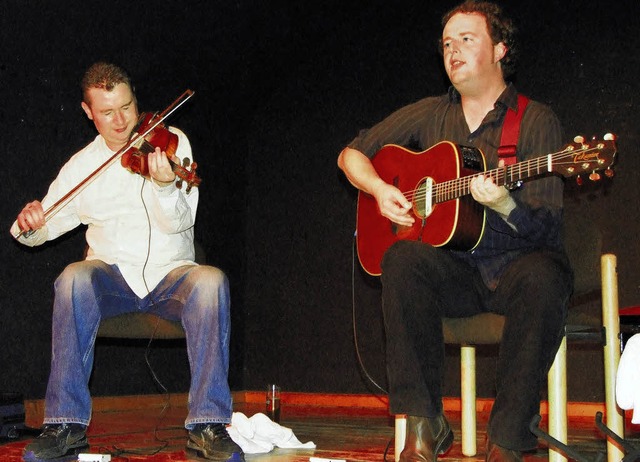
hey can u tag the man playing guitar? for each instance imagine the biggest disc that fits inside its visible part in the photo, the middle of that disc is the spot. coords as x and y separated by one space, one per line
517 268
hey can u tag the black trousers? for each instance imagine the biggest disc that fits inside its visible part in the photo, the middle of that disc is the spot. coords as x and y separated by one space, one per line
422 284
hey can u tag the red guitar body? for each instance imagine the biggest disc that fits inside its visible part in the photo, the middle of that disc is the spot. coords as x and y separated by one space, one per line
456 223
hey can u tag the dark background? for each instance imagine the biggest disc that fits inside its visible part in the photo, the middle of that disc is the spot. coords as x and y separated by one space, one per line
281 86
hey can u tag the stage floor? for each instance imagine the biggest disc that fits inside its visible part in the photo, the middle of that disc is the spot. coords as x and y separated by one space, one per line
141 428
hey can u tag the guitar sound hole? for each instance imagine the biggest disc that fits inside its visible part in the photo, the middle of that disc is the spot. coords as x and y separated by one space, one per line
422 203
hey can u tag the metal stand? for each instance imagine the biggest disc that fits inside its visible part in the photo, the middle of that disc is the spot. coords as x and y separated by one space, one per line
632 452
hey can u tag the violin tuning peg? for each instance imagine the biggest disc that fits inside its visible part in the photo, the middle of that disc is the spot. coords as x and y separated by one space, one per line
179 184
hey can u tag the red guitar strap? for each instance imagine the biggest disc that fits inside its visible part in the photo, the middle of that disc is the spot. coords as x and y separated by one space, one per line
510 131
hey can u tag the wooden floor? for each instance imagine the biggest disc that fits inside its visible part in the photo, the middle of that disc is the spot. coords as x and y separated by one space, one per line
343 427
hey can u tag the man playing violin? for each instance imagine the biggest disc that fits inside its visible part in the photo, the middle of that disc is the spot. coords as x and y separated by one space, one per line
518 268
140 258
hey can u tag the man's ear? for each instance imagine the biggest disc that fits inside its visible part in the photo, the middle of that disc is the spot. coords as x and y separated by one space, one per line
499 50
87 110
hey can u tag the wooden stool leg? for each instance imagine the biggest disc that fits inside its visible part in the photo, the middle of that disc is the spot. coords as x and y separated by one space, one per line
557 389
468 404
401 432
468 399
611 322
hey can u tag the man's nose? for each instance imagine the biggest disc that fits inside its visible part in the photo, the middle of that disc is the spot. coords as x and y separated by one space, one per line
120 118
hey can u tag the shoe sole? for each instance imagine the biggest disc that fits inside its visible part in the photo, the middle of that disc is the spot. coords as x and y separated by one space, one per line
71 454
215 455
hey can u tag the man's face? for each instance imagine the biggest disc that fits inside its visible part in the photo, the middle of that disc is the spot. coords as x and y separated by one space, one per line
468 51
114 113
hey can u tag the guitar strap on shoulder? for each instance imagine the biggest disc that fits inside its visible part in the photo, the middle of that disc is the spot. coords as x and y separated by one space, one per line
511 131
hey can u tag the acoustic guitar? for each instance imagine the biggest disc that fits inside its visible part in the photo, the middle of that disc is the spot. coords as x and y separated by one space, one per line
436 182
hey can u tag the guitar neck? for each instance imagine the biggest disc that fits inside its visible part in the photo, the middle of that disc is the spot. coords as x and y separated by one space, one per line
501 176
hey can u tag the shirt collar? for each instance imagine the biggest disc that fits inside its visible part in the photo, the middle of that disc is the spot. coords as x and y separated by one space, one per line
508 98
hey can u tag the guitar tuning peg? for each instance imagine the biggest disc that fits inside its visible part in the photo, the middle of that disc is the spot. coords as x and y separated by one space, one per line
579 180
609 137
594 176
609 173
579 139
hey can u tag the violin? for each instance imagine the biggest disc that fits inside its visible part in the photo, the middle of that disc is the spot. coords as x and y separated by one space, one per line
135 157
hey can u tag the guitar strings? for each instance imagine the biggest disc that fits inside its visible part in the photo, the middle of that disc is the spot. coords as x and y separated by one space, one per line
456 187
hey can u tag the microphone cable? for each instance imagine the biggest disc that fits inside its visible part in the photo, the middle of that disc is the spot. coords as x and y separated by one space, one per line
355 335
354 321
167 403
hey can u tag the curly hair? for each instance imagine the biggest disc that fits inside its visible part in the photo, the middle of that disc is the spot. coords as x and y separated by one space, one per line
501 29
105 76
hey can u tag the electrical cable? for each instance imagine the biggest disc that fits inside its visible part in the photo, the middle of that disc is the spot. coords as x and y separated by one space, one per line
355 333
353 309
156 379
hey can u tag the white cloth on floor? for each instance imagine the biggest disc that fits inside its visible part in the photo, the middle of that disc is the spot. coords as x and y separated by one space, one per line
259 434
628 378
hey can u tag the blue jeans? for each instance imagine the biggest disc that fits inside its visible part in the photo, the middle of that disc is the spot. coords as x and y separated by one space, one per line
88 291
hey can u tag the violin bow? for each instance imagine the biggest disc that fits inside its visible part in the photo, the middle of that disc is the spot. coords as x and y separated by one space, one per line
68 197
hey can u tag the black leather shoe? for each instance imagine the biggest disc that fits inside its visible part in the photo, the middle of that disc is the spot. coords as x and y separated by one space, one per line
56 441
212 442
497 453
426 439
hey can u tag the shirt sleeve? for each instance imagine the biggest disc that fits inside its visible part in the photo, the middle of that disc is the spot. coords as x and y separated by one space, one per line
403 127
538 214
172 209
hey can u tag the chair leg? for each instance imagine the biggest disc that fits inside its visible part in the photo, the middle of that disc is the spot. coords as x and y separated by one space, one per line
611 323
468 399
557 390
400 435
468 406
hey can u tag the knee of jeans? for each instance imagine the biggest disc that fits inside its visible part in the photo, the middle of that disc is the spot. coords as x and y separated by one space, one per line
75 275
208 276
210 286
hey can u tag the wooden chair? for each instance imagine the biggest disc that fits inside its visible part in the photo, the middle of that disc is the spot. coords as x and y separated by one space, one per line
593 271
140 326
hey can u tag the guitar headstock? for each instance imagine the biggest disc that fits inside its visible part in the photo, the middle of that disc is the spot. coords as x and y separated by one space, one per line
587 157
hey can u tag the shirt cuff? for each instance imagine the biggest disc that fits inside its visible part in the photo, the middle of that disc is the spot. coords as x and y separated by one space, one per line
38 237
164 190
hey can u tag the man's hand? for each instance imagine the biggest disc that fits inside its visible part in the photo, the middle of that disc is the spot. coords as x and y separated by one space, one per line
392 204
487 193
160 168
31 217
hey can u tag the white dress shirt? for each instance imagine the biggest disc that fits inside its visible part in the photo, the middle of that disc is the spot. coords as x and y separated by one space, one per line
145 229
